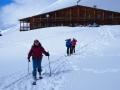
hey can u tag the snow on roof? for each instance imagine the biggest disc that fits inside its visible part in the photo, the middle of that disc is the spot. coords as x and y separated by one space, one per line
60 4
102 4
90 3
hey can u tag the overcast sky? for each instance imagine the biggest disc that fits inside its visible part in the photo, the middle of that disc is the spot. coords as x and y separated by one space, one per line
12 10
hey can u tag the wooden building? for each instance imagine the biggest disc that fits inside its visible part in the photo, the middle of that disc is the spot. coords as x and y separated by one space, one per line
71 16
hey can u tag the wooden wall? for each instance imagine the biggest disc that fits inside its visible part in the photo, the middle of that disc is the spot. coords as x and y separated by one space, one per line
73 16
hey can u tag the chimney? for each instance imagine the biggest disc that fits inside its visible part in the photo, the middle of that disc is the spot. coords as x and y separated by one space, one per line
78 1
95 6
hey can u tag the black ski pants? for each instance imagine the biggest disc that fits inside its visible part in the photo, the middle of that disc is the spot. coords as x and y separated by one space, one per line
73 49
69 50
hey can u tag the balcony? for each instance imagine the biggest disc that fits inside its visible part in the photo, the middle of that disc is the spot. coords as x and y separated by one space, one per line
73 19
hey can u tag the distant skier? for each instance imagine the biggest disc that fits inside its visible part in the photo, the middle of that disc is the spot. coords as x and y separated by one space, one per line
69 46
73 45
36 53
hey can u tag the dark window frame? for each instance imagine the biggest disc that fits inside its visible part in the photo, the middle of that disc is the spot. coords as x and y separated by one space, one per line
110 16
88 16
98 16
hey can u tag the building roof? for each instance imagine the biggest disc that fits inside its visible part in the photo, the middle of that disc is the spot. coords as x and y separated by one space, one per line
102 4
45 12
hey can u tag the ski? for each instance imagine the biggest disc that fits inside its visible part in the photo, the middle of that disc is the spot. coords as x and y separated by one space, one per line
34 83
40 77
66 55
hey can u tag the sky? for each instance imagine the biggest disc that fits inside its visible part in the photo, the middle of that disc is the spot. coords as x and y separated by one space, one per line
13 10
4 2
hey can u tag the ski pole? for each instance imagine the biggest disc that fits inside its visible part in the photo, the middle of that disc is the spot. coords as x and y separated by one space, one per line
28 68
49 65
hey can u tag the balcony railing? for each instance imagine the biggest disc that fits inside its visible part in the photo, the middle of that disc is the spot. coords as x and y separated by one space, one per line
60 19
57 19
24 28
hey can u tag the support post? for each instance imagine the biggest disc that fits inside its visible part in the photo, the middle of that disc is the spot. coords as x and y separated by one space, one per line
103 18
55 18
20 25
85 15
94 14
78 14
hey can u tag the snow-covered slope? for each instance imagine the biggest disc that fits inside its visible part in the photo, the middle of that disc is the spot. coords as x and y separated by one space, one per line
11 30
95 66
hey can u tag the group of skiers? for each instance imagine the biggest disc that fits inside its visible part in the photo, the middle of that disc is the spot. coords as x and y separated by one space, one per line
70 44
37 50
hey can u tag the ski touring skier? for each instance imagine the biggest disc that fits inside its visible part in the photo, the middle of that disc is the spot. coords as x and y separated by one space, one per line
36 53
69 46
73 45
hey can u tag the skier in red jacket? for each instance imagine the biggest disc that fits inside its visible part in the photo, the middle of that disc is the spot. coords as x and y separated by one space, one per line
73 45
36 53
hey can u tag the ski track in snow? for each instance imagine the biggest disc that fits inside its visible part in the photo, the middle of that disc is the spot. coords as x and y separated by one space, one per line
12 30
62 65
102 71
21 80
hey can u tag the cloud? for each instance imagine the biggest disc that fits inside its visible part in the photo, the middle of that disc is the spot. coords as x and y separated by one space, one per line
9 14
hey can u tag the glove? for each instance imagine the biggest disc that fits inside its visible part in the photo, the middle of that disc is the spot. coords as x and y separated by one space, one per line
28 59
47 54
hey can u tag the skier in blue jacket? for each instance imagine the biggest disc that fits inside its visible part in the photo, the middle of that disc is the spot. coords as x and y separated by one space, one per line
69 46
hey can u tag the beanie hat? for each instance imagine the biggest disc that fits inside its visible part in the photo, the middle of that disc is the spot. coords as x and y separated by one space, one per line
36 41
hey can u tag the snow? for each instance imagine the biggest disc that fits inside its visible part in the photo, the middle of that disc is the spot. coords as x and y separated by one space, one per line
60 4
94 66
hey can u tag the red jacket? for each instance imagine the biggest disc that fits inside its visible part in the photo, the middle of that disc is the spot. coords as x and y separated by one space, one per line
74 42
36 52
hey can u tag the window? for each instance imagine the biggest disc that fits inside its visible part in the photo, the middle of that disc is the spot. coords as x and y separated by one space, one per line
38 25
74 11
70 24
75 24
98 16
110 16
70 17
52 25
52 16
88 16
45 25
